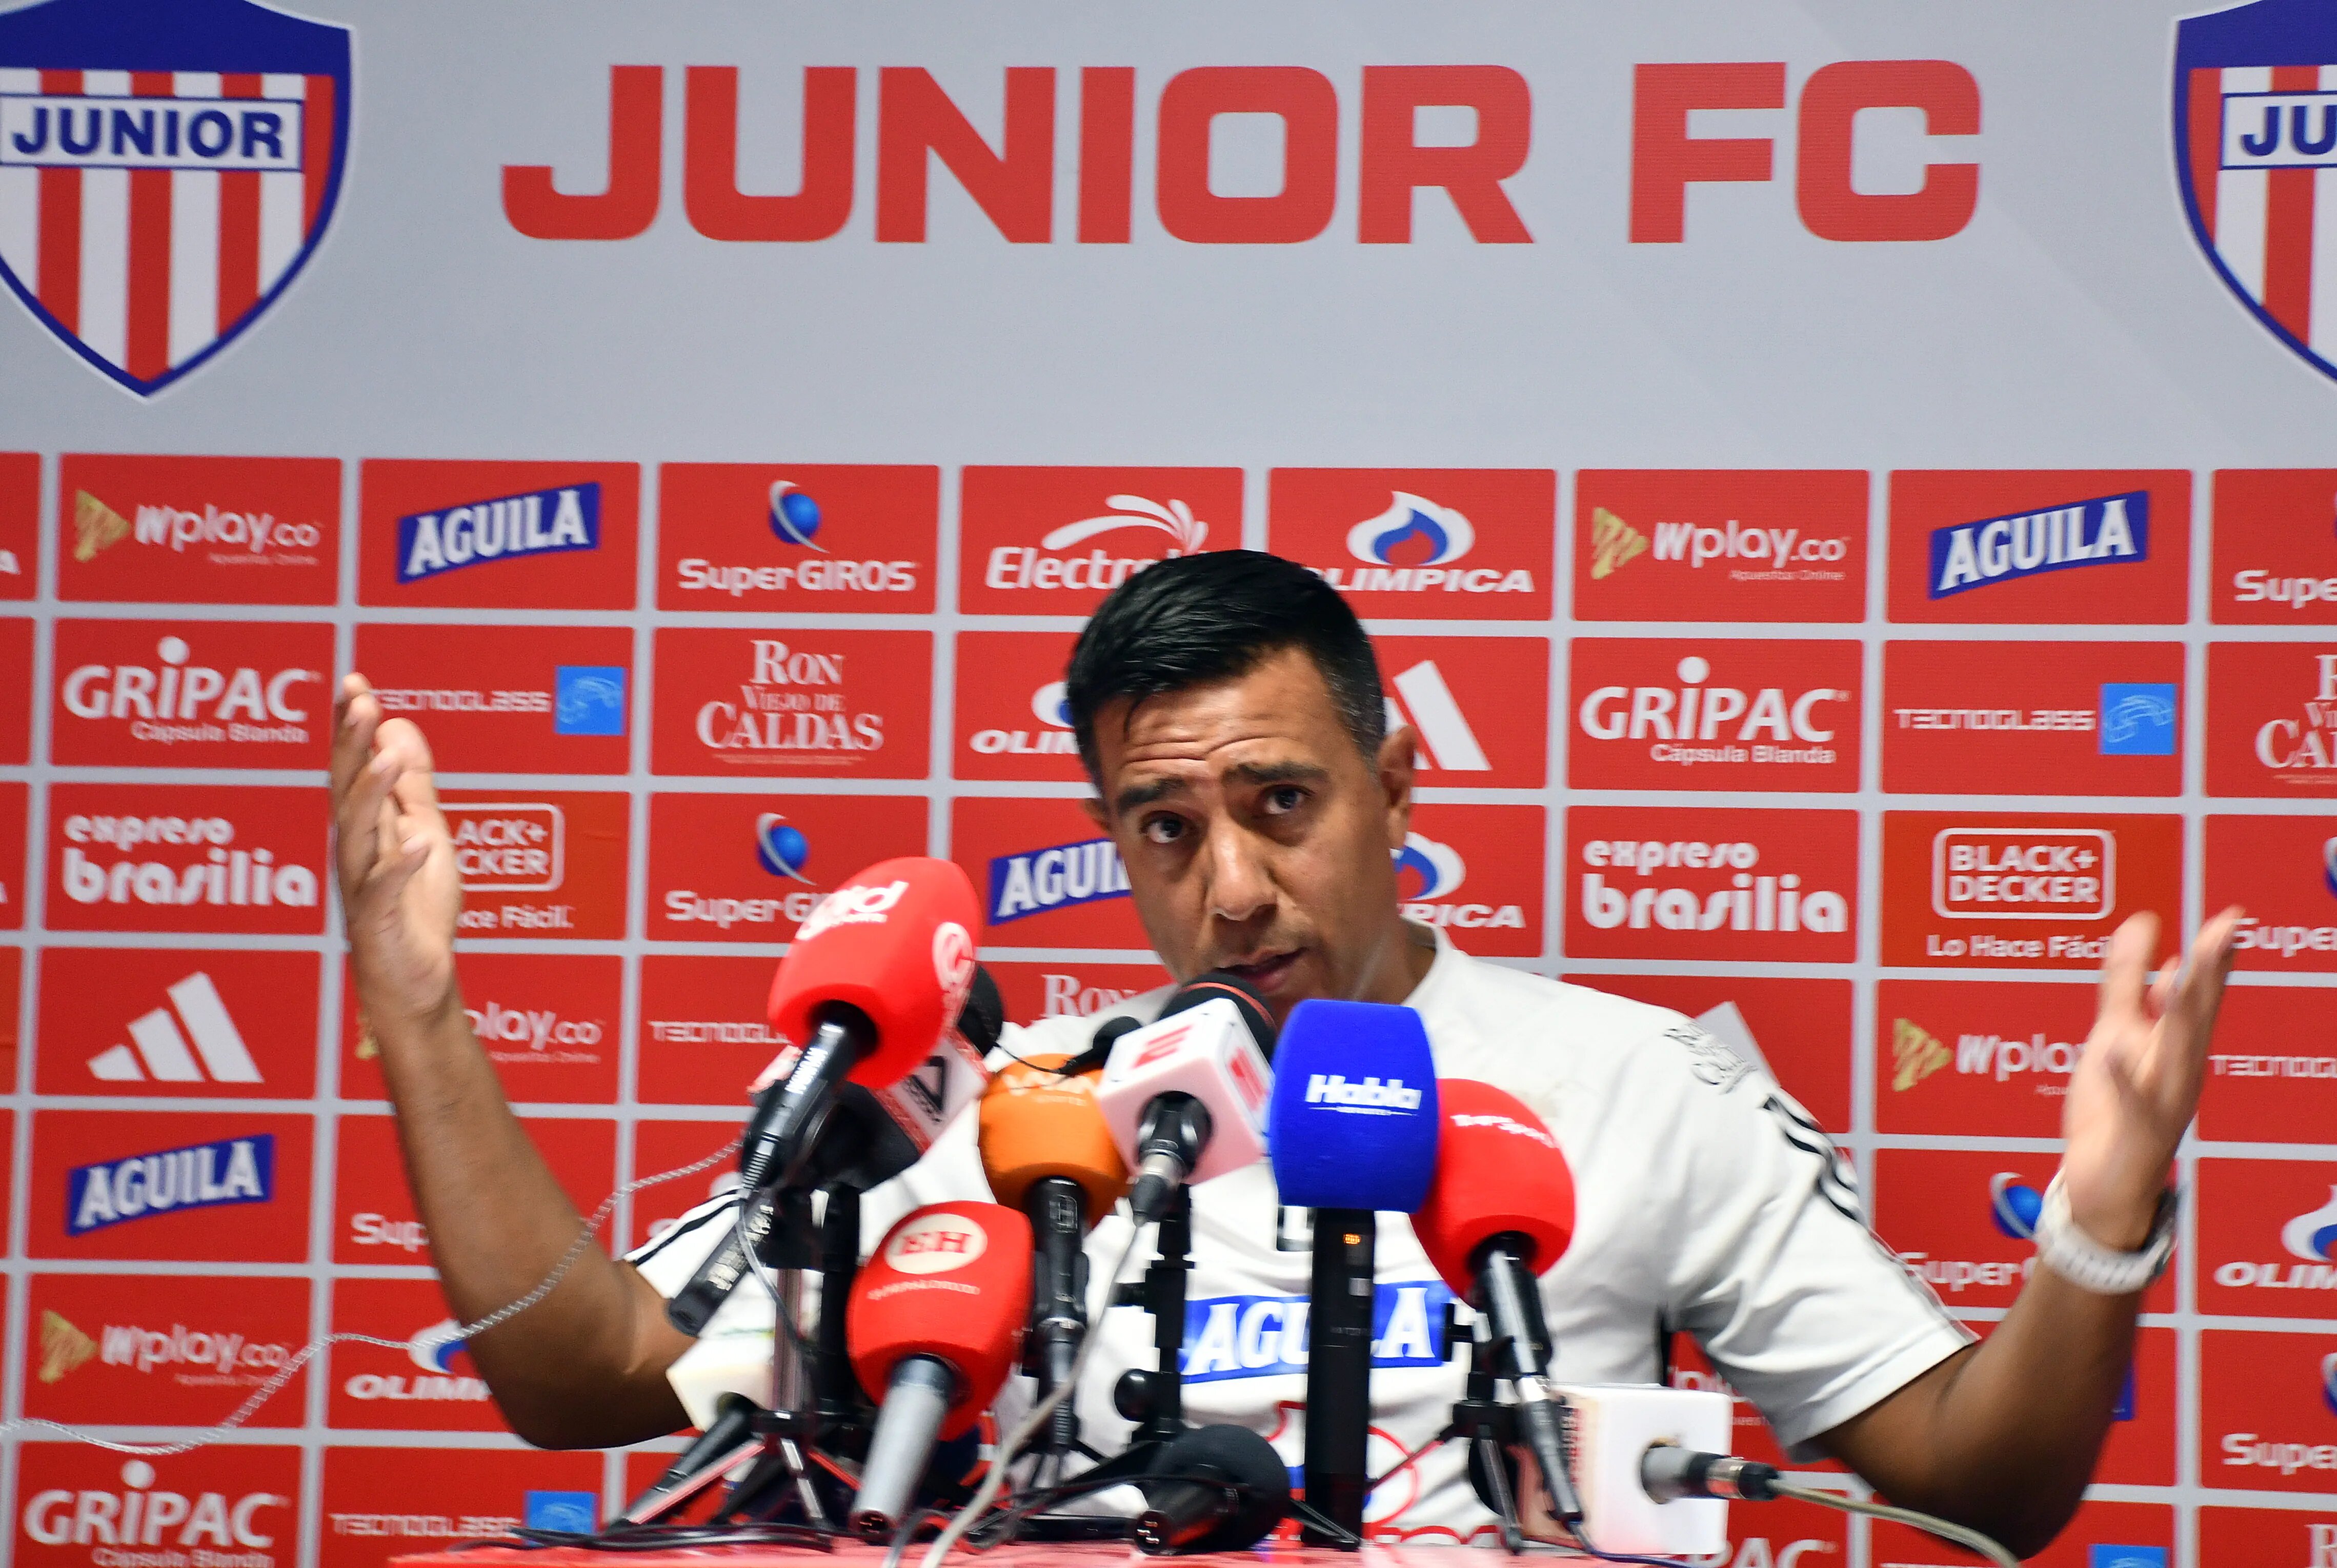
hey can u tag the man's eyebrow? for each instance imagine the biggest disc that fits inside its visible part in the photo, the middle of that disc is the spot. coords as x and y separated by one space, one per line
1147 794
1279 772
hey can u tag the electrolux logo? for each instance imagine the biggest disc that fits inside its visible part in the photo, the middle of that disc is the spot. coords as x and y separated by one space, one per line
2102 530
535 522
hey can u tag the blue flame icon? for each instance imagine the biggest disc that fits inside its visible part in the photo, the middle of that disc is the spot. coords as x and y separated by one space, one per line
2329 1380
2329 865
795 515
1438 867
2013 1205
1409 519
2313 1236
781 847
434 1349
1050 706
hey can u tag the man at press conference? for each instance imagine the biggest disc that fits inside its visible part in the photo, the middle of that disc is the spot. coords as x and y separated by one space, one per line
1228 708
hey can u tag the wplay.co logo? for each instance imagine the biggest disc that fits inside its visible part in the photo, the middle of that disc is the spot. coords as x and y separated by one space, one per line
233 119
1978 1058
498 535
210 693
1423 545
1055 541
199 530
2283 871
796 536
2039 547
177 1351
828 704
1720 545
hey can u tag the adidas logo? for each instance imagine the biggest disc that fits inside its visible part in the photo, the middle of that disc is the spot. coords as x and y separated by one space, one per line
1427 704
1915 1054
1613 542
162 1052
64 1347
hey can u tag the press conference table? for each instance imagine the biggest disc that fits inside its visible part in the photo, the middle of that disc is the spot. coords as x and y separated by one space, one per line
1023 1554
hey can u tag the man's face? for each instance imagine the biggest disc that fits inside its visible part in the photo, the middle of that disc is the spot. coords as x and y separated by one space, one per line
1257 838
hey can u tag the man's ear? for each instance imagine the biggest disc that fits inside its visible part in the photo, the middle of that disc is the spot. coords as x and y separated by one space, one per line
1395 768
1094 808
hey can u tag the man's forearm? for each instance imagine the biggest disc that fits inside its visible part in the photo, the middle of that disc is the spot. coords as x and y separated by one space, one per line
585 1366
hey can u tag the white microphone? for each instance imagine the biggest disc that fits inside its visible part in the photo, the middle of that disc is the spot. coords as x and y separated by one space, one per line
1186 1096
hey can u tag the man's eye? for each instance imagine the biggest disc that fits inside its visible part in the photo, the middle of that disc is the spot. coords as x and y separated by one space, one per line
1164 829
1287 798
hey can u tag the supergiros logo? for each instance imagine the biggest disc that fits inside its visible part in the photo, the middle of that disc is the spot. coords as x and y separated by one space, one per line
2040 548
800 536
171 1185
1687 713
1978 1058
1421 545
2283 871
2021 890
2275 555
191 694
751 868
497 535
1998 718
508 699
803 703
374 1215
2272 719
199 530
1718 882
2267 1410
1743 545
1055 541
208 857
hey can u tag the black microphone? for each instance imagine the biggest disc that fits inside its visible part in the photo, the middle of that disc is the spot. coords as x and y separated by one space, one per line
1213 1489
712 1450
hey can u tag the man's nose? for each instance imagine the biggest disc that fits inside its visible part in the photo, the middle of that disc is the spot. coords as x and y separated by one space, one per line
1239 888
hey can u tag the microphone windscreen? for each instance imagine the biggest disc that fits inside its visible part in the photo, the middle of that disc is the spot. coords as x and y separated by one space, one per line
983 1017
1353 1121
1218 982
951 1280
1498 1168
1035 1123
896 941
1220 1456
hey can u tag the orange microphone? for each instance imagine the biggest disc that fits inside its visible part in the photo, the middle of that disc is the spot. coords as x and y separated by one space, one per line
1048 1151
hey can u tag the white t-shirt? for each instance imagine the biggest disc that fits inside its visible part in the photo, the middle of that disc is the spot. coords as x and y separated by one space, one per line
1705 1200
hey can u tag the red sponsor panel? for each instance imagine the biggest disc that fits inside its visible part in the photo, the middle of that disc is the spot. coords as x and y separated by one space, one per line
1691 1368
162 1349
797 536
2139 1449
1047 875
383 1503
2252 1537
2021 890
801 702
12 989
2032 718
1976 1058
1720 544
1686 714
178 1022
706 1031
15 691
1037 989
1055 541
1010 722
237 1502
1422 543
2282 870
662 1146
2272 719
1671 883
549 1023
2272 1074
12 808
171 1185
1475 871
1479 707
2267 1411
1961 1221
20 524
199 530
498 535
2090 1540
2268 1238
374 1217
192 694
540 863
2276 557
508 699
201 858
427 1385
1788 1534
749 868
2041 548
1799 1028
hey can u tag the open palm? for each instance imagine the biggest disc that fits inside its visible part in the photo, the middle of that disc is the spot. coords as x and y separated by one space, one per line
401 895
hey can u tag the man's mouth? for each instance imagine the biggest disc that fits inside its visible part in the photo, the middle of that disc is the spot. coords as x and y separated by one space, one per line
1266 975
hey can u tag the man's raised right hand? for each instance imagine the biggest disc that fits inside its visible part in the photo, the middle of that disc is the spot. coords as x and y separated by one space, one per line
400 892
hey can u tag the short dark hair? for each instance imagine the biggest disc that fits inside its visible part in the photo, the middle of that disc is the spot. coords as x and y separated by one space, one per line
1214 616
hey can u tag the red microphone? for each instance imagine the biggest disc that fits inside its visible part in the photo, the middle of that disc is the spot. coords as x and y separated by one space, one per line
1500 1211
935 1320
875 975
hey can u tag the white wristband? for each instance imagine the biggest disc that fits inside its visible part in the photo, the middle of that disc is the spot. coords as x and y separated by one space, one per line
2068 1251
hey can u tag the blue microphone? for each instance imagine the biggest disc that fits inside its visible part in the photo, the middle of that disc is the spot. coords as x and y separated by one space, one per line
1352 1131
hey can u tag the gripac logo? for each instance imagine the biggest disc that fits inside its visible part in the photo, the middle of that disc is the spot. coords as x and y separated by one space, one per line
507 698
2272 719
1978 1058
1721 715
198 1176
1478 707
2267 1238
540 865
185 857
199 530
800 536
222 694
2275 547
2039 547
217 1509
1476 873
751 868
848 704
1720 545
2268 1406
1055 541
1996 717
495 535
1421 545
2282 870
2006 891
1711 883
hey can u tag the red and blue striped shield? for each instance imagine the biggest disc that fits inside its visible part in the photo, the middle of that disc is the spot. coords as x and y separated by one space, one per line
166 169
2255 148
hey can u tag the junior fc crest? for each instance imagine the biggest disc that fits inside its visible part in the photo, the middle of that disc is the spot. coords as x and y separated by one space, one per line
166 167
2255 148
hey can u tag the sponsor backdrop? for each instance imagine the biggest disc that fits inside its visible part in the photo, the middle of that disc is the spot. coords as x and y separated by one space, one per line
1846 500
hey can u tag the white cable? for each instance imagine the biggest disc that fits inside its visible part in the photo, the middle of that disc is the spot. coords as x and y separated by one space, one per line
290 1369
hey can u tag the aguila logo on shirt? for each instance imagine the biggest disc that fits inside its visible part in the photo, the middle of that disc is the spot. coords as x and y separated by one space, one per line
198 1176
187 159
471 533
2256 114
2099 531
1234 1336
